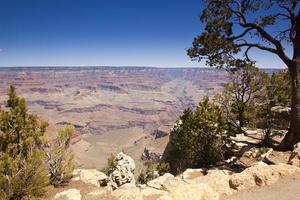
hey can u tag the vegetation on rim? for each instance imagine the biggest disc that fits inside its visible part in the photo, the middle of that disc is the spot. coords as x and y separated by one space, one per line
233 27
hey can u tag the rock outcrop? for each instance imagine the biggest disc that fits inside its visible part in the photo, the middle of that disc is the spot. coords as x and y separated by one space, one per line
124 172
260 175
193 184
295 156
70 194
90 176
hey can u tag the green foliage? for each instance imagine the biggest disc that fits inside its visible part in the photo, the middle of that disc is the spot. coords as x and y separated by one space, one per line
111 165
149 173
163 168
197 139
59 157
153 170
279 90
23 173
234 27
243 95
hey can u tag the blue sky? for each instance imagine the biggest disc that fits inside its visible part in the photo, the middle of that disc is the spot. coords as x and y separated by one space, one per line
102 32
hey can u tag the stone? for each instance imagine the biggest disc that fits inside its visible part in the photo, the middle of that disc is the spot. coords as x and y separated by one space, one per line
241 181
218 180
93 176
261 175
124 172
70 194
159 182
127 192
191 174
295 156
179 190
252 153
152 193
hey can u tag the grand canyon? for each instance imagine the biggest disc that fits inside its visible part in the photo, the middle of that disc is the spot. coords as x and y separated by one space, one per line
112 108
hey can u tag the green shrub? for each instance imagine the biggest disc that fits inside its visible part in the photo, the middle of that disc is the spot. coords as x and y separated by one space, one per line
59 157
23 174
152 170
246 89
111 165
279 89
198 137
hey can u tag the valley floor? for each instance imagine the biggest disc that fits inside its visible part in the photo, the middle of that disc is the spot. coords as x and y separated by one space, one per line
286 189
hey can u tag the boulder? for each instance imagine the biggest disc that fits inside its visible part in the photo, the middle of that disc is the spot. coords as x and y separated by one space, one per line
91 176
152 193
281 116
160 181
219 181
192 174
260 175
124 172
127 192
295 156
179 190
70 194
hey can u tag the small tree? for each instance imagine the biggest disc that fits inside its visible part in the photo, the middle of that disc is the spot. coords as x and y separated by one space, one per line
59 157
197 139
23 173
279 89
153 170
243 94
111 165
232 28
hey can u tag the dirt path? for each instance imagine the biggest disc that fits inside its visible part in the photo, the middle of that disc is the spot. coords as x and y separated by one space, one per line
287 188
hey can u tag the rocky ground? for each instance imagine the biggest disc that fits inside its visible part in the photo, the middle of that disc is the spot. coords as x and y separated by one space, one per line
257 173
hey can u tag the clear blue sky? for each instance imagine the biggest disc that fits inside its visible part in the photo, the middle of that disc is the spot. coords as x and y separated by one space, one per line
102 32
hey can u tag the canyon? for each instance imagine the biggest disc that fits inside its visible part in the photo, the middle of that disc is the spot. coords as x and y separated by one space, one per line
112 108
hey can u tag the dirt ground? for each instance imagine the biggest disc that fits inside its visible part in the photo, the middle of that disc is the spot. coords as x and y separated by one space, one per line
288 188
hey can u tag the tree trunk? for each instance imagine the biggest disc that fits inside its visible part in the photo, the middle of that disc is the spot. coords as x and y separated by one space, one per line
293 135
241 120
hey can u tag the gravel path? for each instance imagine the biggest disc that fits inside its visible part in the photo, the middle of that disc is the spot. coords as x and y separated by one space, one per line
287 188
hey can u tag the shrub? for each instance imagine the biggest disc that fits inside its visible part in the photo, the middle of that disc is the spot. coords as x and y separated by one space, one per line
111 165
279 89
23 173
246 89
59 157
152 170
197 139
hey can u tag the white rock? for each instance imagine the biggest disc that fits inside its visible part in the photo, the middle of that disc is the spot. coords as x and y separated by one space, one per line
124 172
71 194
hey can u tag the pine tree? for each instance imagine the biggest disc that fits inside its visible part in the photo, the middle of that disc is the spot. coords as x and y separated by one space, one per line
23 173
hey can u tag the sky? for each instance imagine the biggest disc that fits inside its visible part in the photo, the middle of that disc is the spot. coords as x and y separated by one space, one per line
102 33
